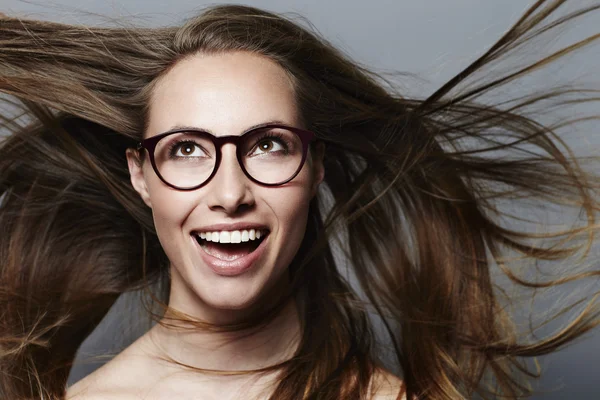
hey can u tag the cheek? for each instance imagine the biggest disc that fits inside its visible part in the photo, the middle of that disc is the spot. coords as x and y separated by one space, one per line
170 208
294 209
292 212
292 205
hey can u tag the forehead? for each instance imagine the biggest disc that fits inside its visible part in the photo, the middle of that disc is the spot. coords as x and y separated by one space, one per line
222 93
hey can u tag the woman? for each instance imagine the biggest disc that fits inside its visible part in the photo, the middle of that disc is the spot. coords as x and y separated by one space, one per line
221 165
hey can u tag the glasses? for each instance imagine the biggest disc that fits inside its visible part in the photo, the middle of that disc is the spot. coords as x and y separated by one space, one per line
187 159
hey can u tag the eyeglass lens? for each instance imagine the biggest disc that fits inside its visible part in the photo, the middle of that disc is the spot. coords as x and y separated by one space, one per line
187 159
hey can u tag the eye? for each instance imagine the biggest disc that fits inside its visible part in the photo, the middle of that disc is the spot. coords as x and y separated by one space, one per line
269 144
186 149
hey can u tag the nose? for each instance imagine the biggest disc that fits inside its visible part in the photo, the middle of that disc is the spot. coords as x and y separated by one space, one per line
230 191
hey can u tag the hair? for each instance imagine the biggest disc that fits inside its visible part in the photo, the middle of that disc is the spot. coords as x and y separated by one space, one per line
412 197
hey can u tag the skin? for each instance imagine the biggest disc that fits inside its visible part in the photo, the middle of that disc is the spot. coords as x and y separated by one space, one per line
224 94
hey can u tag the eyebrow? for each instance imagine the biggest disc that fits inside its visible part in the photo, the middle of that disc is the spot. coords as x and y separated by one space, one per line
197 128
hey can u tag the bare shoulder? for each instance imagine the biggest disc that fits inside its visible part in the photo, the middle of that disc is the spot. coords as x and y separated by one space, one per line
94 387
386 386
100 384
114 380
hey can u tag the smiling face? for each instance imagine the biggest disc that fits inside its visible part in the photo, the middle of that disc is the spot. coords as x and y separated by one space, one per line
225 94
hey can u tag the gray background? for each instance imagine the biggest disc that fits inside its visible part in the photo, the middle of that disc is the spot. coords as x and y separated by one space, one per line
432 39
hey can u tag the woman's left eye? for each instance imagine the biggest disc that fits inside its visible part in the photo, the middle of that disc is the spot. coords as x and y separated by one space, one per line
268 145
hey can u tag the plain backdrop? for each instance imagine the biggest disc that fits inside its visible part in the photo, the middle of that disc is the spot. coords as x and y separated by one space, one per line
431 39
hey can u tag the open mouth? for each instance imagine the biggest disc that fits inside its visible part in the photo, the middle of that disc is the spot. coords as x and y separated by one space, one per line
229 246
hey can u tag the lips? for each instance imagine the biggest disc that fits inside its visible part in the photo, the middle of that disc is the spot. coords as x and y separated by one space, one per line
230 259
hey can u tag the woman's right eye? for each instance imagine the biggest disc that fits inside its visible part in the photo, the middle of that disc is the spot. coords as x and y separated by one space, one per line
187 149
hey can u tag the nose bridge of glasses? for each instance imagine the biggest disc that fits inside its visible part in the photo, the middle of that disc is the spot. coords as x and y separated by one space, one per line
221 141
228 147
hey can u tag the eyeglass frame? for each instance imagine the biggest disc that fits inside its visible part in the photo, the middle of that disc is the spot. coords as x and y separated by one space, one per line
149 144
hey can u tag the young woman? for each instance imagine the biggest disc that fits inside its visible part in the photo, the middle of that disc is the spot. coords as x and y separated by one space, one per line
230 167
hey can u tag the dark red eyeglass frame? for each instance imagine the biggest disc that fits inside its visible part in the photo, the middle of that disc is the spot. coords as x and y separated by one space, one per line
150 145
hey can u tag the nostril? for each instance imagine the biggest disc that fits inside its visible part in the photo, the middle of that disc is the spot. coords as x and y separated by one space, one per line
243 208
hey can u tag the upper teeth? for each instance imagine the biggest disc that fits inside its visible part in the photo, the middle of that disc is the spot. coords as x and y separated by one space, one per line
231 236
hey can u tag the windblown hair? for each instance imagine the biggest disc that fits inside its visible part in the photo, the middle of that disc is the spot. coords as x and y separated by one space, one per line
411 199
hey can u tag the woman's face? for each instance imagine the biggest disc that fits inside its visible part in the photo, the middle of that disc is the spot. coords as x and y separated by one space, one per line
225 94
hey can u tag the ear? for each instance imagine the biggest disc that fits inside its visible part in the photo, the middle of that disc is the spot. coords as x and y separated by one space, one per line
136 173
317 164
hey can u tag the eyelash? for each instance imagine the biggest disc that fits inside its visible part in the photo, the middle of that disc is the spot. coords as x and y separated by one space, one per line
269 135
176 145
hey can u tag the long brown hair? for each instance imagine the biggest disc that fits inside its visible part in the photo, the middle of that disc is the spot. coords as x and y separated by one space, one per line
411 198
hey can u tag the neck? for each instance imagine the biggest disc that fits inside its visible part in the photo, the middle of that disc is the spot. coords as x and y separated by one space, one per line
247 349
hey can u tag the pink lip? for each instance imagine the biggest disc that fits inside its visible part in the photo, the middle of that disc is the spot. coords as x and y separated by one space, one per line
235 267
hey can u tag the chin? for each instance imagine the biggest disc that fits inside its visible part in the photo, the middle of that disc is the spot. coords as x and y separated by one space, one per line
232 301
240 298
